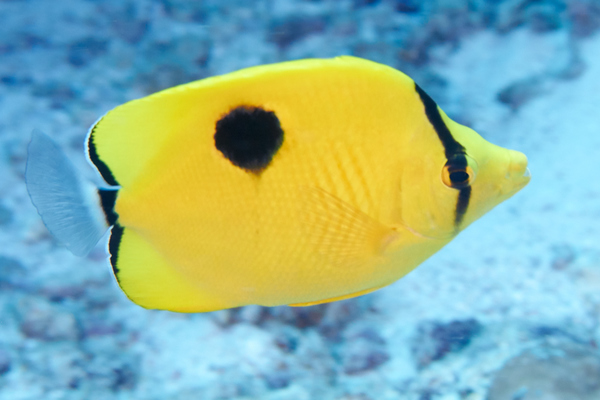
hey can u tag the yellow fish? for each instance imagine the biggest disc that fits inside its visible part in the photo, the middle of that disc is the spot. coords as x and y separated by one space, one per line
296 183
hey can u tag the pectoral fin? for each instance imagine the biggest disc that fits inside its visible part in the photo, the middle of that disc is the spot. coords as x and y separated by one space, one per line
341 233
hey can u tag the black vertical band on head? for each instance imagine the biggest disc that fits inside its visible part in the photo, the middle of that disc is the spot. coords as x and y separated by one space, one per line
98 163
464 195
451 146
114 242
108 199
453 150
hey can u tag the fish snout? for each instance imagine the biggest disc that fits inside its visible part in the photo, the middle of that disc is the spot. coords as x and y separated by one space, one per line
517 174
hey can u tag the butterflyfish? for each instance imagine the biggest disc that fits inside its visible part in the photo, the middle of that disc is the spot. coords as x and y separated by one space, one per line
295 183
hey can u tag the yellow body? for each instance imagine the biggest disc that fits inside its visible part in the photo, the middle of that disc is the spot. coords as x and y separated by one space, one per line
352 201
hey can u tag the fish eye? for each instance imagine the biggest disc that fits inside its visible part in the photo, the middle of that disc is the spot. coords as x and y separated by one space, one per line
457 175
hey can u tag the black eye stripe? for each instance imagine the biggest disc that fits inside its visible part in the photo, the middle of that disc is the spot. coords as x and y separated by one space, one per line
464 195
451 147
454 151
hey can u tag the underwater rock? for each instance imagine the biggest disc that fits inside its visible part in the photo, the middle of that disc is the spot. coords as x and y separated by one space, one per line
39 320
113 372
225 318
339 314
5 362
132 31
427 394
175 60
509 15
446 25
435 340
545 331
556 372
59 93
279 378
364 350
162 77
287 31
82 52
187 51
584 16
252 314
382 52
129 23
362 355
185 10
545 17
369 334
110 363
14 80
287 339
58 292
12 272
518 93
566 62
564 255
407 6
299 317
540 16
96 325
365 3
21 41
125 377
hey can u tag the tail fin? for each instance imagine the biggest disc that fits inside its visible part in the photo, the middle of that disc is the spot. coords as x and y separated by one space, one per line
69 206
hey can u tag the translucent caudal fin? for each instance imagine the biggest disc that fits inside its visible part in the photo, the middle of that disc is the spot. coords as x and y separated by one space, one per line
69 206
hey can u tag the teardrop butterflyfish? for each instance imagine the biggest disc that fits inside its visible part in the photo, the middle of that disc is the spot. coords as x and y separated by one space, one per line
295 183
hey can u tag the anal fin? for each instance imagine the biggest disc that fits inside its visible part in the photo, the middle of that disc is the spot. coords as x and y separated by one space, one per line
150 281
337 298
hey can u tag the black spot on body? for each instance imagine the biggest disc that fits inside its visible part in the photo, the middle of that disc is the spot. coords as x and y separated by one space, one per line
107 200
249 137
113 247
98 163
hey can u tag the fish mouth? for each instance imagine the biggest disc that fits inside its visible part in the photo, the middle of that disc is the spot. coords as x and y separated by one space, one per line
523 180
518 174
526 177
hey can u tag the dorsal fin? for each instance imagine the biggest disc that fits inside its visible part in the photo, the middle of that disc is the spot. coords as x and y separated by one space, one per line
122 142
